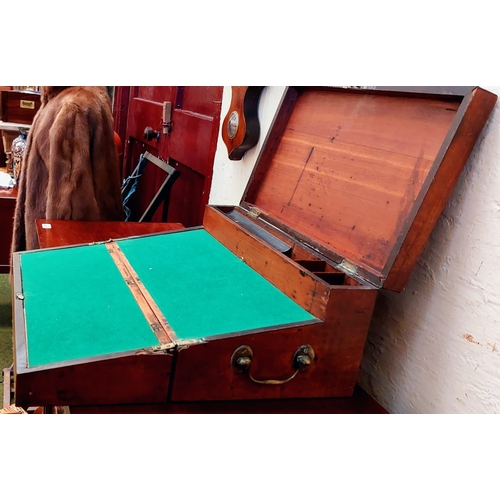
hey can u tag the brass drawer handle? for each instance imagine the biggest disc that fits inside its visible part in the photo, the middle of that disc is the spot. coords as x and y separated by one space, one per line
242 359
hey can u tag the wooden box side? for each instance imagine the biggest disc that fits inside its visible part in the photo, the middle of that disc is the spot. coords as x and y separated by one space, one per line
291 279
203 372
130 379
140 377
473 115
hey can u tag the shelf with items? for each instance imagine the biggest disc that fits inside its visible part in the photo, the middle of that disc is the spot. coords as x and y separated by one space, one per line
18 106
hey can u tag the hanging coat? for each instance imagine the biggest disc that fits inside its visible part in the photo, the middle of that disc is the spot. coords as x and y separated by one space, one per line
70 166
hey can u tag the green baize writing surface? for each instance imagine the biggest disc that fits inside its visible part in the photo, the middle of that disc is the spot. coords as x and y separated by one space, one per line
78 305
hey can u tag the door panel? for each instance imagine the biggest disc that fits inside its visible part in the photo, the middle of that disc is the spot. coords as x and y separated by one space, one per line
142 112
200 99
186 188
190 146
194 148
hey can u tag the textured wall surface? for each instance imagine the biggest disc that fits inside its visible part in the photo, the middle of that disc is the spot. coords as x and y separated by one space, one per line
435 348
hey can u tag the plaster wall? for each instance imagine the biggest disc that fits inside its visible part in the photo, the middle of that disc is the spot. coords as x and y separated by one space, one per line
434 348
230 178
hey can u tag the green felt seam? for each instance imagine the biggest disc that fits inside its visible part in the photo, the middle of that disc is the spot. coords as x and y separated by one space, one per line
77 305
203 289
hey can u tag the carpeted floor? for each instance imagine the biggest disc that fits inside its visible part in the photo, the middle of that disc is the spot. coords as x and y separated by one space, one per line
5 328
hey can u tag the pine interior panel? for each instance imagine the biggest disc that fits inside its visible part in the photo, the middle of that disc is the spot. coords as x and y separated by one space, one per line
349 168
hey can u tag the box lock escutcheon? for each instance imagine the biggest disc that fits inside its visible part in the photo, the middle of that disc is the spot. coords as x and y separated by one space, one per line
242 357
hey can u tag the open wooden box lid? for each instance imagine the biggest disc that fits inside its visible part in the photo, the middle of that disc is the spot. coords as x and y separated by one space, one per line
362 175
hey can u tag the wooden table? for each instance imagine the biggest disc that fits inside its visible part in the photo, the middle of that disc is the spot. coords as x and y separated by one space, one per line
54 233
60 233
359 403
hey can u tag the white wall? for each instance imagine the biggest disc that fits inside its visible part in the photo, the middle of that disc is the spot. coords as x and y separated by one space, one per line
435 348
230 177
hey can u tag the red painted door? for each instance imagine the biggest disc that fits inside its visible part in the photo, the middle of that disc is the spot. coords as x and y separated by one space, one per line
189 146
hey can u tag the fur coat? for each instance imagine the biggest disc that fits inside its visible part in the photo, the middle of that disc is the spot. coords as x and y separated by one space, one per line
70 164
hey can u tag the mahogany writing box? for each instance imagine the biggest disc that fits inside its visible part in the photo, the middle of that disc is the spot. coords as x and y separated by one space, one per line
270 299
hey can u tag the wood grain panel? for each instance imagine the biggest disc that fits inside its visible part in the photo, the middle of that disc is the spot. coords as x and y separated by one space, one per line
193 144
143 112
203 100
157 94
65 232
349 168
189 205
139 378
190 144
11 108
477 108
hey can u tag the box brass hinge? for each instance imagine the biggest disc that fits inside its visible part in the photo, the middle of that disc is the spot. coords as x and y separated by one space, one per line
159 349
348 268
254 212
162 347
185 344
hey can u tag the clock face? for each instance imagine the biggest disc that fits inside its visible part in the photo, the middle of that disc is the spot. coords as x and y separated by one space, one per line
233 124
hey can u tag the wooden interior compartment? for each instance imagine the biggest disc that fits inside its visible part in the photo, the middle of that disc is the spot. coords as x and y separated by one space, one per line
315 265
295 282
324 271
304 257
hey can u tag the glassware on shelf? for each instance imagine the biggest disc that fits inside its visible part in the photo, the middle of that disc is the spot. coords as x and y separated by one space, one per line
8 163
17 149
28 88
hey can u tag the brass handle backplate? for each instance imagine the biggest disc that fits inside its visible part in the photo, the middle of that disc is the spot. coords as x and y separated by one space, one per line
242 357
